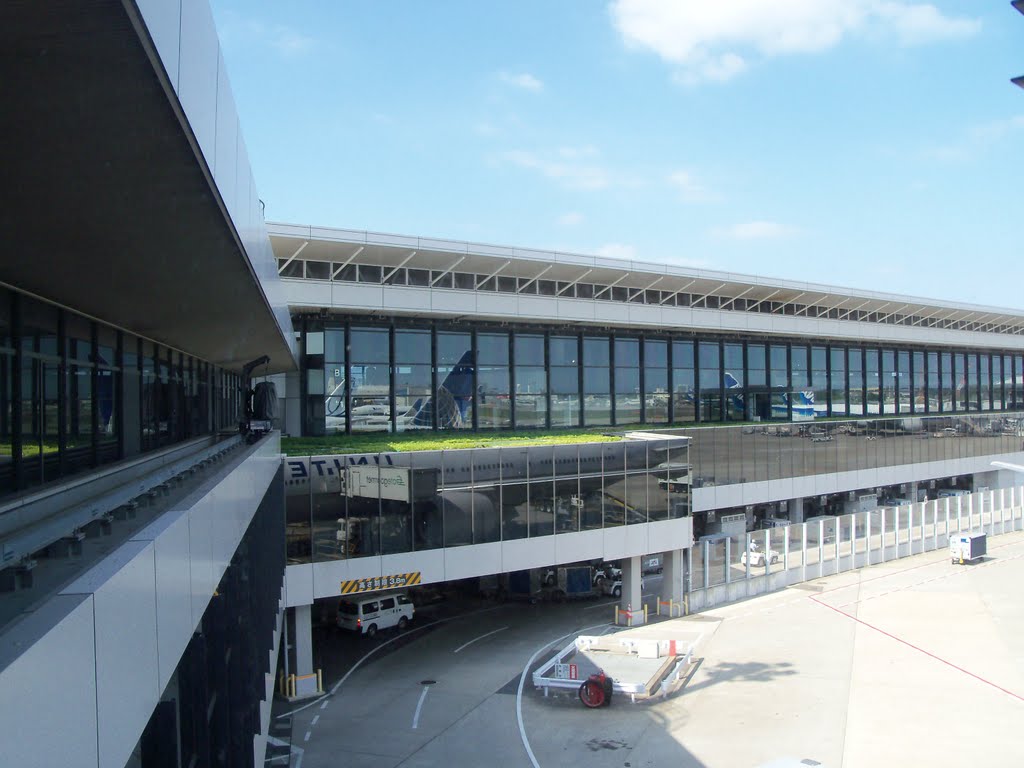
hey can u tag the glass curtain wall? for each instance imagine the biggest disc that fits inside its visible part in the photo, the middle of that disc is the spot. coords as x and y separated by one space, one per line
413 379
684 389
454 394
837 404
627 381
918 391
370 391
76 394
494 408
564 354
655 381
734 382
420 378
597 399
334 380
819 379
887 377
709 361
531 381
855 380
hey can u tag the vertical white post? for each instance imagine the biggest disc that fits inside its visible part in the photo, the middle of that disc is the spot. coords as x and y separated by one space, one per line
803 551
867 538
882 536
946 505
959 513
935 524
707 572
728 561
767 550
785 553
821 548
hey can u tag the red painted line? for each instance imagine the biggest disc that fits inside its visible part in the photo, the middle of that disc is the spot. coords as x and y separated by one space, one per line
921 650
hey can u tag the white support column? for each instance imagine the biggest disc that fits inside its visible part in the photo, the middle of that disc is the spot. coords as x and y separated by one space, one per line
882 536
672 579
303 640
795 507
632 596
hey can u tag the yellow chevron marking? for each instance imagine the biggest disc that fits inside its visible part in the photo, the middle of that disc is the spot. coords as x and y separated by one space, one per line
375 583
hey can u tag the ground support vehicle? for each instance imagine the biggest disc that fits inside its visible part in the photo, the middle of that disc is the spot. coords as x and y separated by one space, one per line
757 557
368 613
967 547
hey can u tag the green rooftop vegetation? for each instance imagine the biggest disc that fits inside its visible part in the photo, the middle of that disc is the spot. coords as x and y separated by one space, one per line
426 441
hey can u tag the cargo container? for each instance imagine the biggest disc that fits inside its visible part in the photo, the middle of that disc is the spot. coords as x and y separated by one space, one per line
967 547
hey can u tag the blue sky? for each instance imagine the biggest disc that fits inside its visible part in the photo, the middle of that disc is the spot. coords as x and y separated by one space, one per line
863 143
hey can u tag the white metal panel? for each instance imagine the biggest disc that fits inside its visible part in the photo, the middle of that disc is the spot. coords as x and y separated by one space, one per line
197 82
240 208
666 535
537 306
637 542
573 547
298 584
451 300
173 594
477 560
127 677
429 563
353 295
401 298
615 547
200 554
225 170
327 577
575 309
48 687
163 21
527 553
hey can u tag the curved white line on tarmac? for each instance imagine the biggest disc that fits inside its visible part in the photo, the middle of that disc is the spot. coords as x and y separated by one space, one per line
522 680
419 706
487 634
372 651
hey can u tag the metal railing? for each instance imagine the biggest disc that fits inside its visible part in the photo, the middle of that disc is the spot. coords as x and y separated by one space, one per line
765 561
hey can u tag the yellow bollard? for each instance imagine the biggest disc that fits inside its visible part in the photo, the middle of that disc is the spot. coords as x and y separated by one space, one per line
616 615
319 682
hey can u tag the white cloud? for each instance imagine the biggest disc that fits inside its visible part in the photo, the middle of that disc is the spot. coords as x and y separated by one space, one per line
564 169
706 40
524 80
976 140
617 251
236 30
690 190
755 230
571 219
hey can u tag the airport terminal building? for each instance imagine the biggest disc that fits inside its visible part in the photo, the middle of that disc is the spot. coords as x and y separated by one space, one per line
153 553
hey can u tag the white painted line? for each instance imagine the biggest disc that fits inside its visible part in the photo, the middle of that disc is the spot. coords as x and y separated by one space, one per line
308 734
315 721
488 634
522 680
600 605
324 705
419 706
355 666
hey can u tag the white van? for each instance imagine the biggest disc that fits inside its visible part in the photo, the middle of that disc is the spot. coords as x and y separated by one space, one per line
366 614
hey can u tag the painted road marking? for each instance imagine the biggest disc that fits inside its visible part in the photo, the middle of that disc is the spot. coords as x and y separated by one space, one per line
487 634
419 706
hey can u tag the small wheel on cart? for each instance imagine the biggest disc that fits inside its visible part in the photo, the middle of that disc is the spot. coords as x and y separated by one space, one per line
592 694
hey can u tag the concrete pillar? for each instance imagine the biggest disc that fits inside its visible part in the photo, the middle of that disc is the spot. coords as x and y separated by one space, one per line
303 640
632 598
672 576
796 510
